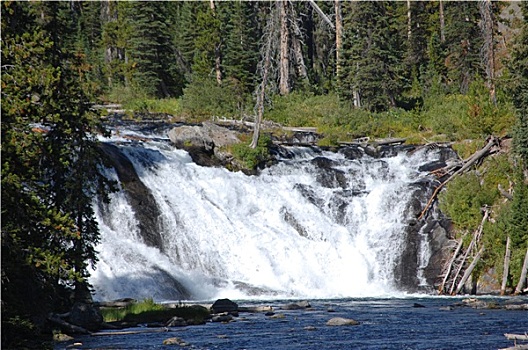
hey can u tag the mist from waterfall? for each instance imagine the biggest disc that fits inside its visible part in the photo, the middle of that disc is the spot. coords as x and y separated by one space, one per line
315 225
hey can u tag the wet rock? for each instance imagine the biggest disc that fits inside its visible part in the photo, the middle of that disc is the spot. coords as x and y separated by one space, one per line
175 341
176 322
225 317
352 152
417 305
296 306
340 321
432 166
224 305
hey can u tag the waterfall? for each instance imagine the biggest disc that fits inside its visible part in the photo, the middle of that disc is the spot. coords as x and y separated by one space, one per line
318 224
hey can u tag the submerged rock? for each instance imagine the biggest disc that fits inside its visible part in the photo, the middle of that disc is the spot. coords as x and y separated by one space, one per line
341 321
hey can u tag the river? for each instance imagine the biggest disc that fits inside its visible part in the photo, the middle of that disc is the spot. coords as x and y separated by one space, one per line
387 323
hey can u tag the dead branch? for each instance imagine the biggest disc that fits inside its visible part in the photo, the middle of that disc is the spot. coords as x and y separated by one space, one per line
466 164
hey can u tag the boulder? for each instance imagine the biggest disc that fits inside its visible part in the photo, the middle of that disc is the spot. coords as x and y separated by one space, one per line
86 316
297 306
176 321
206 144
340 321
224 317
224 305
175 341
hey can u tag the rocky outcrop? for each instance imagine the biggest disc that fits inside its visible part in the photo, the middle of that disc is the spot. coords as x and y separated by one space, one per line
206 144
140 198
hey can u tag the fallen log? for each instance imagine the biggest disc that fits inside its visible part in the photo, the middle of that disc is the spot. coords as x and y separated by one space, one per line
466 164
151 330
68 328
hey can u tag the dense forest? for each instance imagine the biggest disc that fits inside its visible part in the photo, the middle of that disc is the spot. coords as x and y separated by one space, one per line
429 71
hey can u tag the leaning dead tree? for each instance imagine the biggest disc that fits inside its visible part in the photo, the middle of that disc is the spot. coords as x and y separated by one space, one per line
459 268
453 170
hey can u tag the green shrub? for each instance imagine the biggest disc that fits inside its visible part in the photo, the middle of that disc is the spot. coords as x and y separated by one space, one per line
249 157
148 311
205 98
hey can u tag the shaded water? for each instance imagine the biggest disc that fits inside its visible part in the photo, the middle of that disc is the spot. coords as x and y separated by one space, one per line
384 324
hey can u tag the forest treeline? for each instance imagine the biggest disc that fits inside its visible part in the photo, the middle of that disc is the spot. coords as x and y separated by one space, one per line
425 70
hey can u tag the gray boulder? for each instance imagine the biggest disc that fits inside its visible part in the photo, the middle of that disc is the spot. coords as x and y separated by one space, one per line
224 305
340 321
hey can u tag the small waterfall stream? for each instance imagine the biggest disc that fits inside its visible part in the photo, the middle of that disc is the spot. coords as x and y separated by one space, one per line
318 224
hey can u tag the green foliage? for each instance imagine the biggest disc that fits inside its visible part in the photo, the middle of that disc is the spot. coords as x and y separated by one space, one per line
205 98
467 194
249 157
50 166
518 88
149 311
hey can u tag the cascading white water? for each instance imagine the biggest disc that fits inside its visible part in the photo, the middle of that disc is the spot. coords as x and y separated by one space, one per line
288 232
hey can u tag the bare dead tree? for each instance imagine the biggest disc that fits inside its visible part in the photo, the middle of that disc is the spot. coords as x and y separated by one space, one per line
487 51
218 52
506 266
284 63
265 69
338 33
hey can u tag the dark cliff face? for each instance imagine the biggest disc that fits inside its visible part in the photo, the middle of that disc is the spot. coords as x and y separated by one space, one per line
139 196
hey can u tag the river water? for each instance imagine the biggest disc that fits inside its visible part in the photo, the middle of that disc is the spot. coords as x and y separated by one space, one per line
389 323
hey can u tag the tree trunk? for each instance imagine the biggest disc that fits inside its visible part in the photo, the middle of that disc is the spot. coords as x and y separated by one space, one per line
487 51
261 93
218 52
338 33
451 262
466 164
442 22
522 279
469 271
506 267
284 66
409 21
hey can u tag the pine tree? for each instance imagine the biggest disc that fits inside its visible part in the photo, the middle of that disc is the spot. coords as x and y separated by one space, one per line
463 44
149 48
50 169
372 54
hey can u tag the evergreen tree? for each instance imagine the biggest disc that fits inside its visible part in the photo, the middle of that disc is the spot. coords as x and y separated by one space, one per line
50 170
149 49
463 44
372 54
518 86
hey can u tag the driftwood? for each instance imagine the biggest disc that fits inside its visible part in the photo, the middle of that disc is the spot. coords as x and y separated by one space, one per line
466 164
67 327
516 347
506 267
152 330
518 290
512 336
